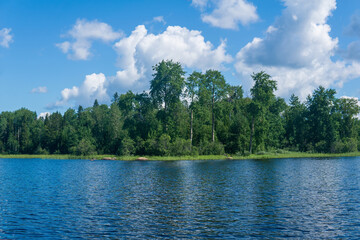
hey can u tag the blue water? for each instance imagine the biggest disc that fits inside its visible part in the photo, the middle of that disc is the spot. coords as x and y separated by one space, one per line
81 199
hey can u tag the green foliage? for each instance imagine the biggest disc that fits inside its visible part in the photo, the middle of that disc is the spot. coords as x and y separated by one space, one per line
211 148
261 153
295 124
127 147
182 147
245 153
262 97
321 120
200 116
85 147
165 89
344 146
41 151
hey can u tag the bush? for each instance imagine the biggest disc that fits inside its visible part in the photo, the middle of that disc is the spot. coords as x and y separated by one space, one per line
243 154
85 147
127 147
164 145
347 145
350 145
40 150
261 153
151 147
140 146
2 148
158 147
337 147
321 147
181 147
246 153
211 148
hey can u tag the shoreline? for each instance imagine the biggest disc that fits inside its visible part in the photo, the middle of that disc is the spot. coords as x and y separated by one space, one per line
182 158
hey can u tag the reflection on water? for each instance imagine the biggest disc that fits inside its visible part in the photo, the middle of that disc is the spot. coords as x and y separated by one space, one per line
66 199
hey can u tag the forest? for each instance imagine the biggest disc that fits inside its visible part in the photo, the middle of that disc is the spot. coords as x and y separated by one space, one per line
198 115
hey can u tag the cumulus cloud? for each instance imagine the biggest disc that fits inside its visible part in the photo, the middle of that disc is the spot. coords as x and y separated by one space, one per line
297 50
141 50
94 87
84 33
227 14
5 37
39 90
138 53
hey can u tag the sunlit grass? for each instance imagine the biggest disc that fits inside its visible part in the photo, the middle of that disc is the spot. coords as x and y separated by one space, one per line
266 155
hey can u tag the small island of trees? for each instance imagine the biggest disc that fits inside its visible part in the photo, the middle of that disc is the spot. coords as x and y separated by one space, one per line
197 115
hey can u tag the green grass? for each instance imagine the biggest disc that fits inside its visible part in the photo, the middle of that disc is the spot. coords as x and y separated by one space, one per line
266 155
53 156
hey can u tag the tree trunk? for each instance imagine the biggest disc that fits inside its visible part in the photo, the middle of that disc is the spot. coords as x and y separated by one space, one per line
191 127
252 133
165 109
213 119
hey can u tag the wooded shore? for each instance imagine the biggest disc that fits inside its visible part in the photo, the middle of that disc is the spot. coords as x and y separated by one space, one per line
177 158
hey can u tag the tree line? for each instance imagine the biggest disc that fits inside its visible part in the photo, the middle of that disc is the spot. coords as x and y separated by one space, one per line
200 114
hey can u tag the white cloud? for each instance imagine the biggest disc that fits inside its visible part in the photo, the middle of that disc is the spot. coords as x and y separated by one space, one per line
84 33
64 46
227 14
94 87
199 3
39 90
138 53
159 19
297 49
5 37
44 114
141 50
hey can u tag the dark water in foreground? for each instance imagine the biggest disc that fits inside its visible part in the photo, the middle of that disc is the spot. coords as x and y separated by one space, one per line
69 199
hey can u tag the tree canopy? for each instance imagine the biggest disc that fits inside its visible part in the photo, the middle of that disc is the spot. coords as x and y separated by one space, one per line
200 114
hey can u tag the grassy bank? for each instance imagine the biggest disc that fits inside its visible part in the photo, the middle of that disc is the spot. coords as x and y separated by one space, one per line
204 157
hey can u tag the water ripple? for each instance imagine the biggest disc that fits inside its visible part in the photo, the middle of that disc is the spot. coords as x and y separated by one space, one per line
79 199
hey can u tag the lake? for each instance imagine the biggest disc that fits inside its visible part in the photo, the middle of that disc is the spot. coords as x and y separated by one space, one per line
68 199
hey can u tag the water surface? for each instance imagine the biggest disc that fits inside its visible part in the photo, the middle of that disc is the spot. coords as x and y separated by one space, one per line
69 199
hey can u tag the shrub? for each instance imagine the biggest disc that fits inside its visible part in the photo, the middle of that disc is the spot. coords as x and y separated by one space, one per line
347 145
321 147
181 147
40 150
158 147
164 145
85 147
151 147
140 146
246 153
211 148
350 145
337 147
127 147
261 153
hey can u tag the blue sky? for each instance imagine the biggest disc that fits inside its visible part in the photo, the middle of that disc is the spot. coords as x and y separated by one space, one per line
59 54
